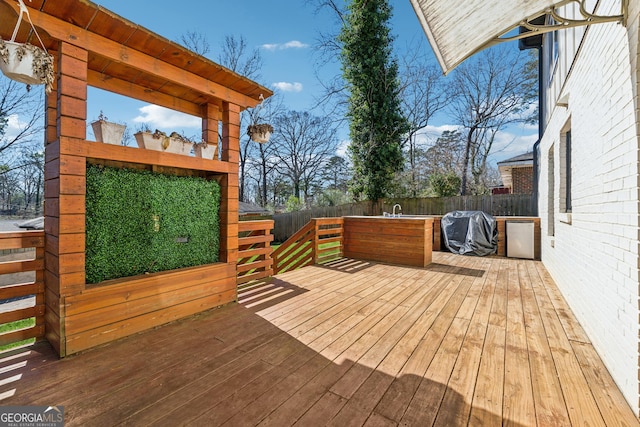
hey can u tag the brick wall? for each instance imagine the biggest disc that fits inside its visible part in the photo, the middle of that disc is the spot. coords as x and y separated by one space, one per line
522 180
592 252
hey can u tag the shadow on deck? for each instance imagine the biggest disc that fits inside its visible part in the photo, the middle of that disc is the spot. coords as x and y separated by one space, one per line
467 341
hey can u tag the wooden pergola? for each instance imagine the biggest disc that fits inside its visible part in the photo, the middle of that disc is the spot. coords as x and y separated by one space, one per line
95 47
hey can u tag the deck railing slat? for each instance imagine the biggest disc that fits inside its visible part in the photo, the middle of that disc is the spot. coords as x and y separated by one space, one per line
11 308
255 252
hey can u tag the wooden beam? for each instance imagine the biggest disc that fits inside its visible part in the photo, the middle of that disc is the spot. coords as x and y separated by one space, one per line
142 156
132 90
118 53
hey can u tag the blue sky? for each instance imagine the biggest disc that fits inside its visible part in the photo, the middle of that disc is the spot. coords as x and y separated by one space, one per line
284 31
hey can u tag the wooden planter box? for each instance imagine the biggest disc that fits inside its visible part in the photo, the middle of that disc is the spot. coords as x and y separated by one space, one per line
122 307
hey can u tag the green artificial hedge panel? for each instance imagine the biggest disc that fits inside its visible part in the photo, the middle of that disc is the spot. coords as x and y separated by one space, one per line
141 222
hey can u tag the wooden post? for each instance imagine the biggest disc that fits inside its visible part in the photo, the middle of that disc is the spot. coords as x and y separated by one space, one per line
229 184
502 237
316 240
64 190
210 123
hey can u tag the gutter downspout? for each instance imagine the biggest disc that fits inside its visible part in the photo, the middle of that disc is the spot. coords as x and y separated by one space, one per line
536 42
536 146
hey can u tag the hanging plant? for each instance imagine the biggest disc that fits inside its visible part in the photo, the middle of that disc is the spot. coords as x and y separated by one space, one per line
24 62
4 51
260 132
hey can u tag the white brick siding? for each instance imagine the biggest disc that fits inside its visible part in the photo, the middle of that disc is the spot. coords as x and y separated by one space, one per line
593 254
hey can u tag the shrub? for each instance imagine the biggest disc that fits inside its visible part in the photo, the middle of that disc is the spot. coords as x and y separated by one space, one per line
294 204
445 185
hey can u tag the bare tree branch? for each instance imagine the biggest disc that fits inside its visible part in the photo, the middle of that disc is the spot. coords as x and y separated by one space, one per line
236 56
23 109
492 91
302 145
196 42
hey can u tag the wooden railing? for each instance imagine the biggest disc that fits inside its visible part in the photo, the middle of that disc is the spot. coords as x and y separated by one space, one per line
254 255
319 241
21 301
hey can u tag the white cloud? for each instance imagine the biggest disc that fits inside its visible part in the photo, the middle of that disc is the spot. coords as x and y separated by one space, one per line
14 123
342 148
530 111
13 129
508 145
164 118
293 44
428 135
14 126
436 131
288 87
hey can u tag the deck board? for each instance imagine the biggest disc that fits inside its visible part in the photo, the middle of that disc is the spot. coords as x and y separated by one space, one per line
547 393
465 341
518 392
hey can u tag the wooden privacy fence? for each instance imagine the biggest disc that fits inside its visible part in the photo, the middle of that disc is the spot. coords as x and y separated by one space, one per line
286 224
254 250
496 205
21 299
319 241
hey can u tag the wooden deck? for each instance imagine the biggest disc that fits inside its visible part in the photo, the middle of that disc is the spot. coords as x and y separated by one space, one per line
465 341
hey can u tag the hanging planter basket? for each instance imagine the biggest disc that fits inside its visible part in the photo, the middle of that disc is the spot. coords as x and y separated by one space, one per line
24 62
260 132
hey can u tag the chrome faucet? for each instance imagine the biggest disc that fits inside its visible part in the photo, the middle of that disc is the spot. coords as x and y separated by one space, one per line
397 205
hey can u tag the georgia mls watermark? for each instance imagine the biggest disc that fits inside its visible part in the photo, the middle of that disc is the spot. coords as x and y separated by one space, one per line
31 416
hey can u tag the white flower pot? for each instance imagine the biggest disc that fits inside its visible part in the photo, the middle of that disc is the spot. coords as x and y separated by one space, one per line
147 141
108 132
208 151
178 146
167 144
260 132
261 137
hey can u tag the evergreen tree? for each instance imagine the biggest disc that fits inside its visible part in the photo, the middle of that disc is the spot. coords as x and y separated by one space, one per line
377 125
